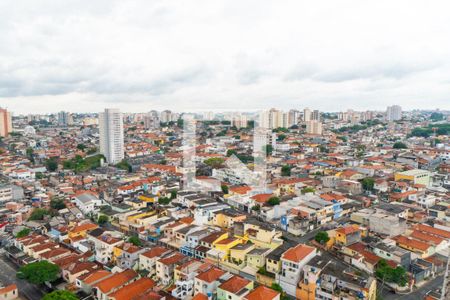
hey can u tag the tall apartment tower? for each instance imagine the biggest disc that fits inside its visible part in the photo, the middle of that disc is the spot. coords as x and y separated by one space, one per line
151 120
315 115
306 115
111 135
5 122
294 116
65 118
314 127
394 113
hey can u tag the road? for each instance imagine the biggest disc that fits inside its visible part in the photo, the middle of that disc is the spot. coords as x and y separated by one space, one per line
8 276
418 294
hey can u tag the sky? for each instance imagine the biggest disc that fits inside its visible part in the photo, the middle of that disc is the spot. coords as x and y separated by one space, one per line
202 55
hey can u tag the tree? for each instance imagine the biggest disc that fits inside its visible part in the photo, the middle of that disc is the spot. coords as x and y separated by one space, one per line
39 272
389 274
57 203
214 162
125 165
368 183
51 164
322 237
281 137
269 150
256 208
39 175
436 117
173 194
81 147
102 219
38 214
60 295
400 145
307 190
135 241
273 201
30 154
23 232
276 287
285 170
164 200
225 189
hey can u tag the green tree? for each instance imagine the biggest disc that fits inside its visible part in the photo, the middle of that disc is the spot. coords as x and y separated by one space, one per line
81 147
39 272
436 117
23 232
30 154
135 241
102 219
125 165
273 201
285 170
51 164
269 150
256 208
173 194
387 273
60 295
400 145
57 203
276 287
38 214
322 237
368 183
307 190
164 200
39 175
224 188
214 162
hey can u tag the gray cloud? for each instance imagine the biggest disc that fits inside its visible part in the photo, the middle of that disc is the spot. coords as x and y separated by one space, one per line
212 54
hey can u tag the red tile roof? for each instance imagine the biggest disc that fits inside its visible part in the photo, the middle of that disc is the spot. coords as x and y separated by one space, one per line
298 253
133 289
262 293
211 275
234 284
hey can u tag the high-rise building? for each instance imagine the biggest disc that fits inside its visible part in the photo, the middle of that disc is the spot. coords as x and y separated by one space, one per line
151 120
65 118
394 113
294 116
239 120
167 116
315 115
314 127
111 135
306 115
5 122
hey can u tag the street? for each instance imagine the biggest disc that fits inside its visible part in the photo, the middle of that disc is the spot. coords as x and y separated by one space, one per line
417 294
8 276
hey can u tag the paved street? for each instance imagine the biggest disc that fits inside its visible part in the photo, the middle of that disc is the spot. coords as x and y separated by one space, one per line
417 294
8 276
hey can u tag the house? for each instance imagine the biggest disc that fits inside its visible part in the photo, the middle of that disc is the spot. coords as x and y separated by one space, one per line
9 292
422 249
262 293
292 262
147 259
104 245
132 290
87 202
81 230
76 269
348 235
113 283
127 255
208 281
87 281
184 276
166 265
234 288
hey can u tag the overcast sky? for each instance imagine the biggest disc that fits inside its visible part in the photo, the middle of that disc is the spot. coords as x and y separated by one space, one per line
184 55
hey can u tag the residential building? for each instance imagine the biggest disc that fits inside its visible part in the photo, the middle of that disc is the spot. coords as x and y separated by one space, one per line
111 135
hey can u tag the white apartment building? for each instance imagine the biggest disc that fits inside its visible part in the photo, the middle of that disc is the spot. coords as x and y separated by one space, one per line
393 113
111 135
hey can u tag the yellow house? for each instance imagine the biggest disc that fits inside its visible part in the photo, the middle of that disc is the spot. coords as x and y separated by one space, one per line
227 218
416 176
80 231
224 246
261 236
148 198
348 235
257 258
